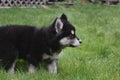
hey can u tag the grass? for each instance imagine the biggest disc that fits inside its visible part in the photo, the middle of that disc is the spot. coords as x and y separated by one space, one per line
98 58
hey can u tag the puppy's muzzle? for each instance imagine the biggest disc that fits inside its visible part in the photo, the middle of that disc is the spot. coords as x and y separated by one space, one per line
76 42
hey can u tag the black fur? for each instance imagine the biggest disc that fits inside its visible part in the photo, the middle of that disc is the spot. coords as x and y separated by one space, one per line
30 43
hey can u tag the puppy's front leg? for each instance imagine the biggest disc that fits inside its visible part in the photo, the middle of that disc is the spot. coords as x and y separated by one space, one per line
52 66
32 68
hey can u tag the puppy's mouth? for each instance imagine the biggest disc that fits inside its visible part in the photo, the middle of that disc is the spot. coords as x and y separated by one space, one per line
73 46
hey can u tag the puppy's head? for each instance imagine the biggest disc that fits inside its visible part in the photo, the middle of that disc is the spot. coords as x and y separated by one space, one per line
65 32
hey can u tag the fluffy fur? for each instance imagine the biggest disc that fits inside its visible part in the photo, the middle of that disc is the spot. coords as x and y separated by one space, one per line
36 44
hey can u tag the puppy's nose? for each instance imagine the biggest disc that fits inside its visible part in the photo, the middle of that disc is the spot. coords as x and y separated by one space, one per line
80 41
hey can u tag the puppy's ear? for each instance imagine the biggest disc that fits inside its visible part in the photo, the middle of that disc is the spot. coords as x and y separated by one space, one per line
63 16
58 25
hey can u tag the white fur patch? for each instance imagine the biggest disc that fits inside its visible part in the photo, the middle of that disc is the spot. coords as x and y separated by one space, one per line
65 41
31 68
52 68
72 32
45 56
54 56
11 69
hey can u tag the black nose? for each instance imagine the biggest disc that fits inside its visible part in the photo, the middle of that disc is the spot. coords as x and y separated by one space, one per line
80 41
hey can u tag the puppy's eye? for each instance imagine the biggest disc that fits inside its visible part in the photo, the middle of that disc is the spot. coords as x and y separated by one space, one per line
71 36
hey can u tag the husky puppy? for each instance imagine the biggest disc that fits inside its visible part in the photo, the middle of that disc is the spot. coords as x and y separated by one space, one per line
36 45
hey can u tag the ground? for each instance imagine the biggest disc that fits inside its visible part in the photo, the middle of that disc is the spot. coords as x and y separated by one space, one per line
98 58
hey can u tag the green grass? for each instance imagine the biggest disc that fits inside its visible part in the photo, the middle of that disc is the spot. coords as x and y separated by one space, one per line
98 58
